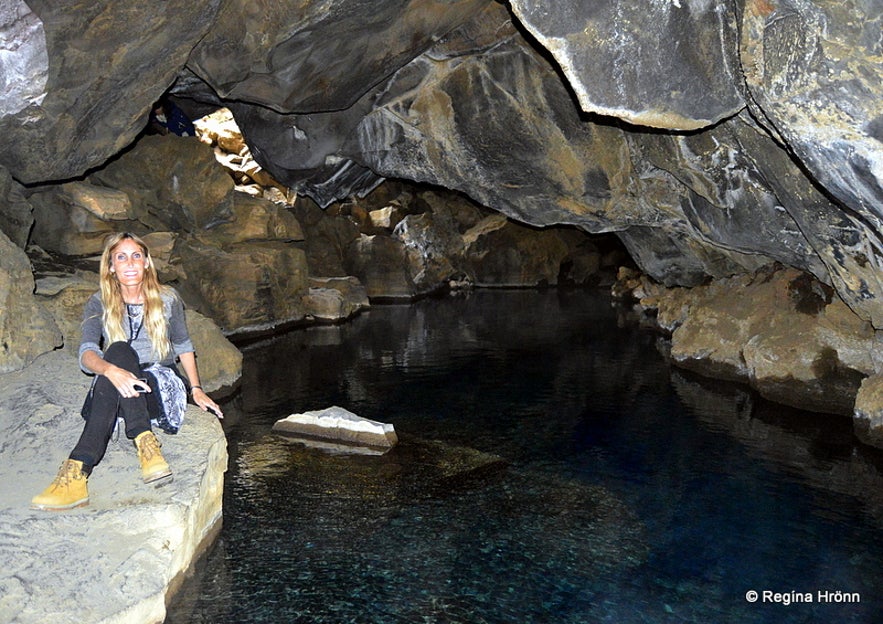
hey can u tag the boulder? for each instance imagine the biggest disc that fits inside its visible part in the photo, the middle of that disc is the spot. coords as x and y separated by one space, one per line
75 218
455 210
162 248
27 329
219 361
16 212
244 287
868 413
381 264
386 218
335 298
254 219
433 253
336 424
786 334
65 297
174 183
327 238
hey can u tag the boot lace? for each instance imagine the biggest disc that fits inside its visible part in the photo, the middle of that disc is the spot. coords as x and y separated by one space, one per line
148 447
67 473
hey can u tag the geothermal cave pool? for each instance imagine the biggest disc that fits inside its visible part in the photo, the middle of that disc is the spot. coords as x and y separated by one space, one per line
552 468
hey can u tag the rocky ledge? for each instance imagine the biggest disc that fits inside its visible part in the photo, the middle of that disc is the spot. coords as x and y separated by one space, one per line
118 558
778 330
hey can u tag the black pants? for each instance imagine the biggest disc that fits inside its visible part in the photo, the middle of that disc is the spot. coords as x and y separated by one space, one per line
107 404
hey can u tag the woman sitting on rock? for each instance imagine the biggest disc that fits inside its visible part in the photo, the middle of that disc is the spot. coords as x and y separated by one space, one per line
142 325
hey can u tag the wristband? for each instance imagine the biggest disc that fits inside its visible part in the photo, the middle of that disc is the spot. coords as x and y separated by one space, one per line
192 388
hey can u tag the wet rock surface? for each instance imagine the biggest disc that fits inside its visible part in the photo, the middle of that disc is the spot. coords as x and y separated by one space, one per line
823 457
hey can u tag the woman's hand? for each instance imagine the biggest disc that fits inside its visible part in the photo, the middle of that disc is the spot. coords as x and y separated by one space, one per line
205 402
127 384
188 362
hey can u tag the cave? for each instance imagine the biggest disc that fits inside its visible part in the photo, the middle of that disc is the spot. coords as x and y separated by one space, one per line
716 167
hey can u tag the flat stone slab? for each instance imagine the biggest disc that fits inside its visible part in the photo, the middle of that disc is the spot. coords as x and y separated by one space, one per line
340 426
116 559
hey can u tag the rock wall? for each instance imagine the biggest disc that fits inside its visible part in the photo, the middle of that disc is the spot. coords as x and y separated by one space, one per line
246 264
26 328
780 331
712 138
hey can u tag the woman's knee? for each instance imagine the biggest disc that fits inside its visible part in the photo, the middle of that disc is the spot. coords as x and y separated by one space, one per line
123 355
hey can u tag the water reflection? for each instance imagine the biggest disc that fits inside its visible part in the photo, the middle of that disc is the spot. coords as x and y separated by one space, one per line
552 469
817 449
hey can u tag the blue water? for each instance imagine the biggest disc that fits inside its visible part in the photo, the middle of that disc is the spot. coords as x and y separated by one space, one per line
551 468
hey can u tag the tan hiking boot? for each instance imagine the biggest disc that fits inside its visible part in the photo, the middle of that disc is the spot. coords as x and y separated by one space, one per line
153 466
67 491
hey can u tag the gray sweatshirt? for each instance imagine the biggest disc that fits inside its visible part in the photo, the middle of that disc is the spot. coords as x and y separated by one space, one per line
93 337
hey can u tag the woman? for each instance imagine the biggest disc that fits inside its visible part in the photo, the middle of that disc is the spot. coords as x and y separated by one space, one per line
141 324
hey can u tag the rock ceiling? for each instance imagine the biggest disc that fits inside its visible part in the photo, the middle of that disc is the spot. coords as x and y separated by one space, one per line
711 137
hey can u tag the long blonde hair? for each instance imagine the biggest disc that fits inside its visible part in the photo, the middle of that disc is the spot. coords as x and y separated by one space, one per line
112 299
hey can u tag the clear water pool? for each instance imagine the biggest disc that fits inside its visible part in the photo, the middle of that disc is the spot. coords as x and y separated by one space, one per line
552 468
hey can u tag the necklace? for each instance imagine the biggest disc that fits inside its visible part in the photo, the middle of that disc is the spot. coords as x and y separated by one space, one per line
133 311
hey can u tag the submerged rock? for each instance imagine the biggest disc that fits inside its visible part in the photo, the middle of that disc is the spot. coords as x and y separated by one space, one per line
247 286
582 527
414 468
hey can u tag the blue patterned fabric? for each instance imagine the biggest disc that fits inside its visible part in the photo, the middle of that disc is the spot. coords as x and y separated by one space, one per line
172 397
